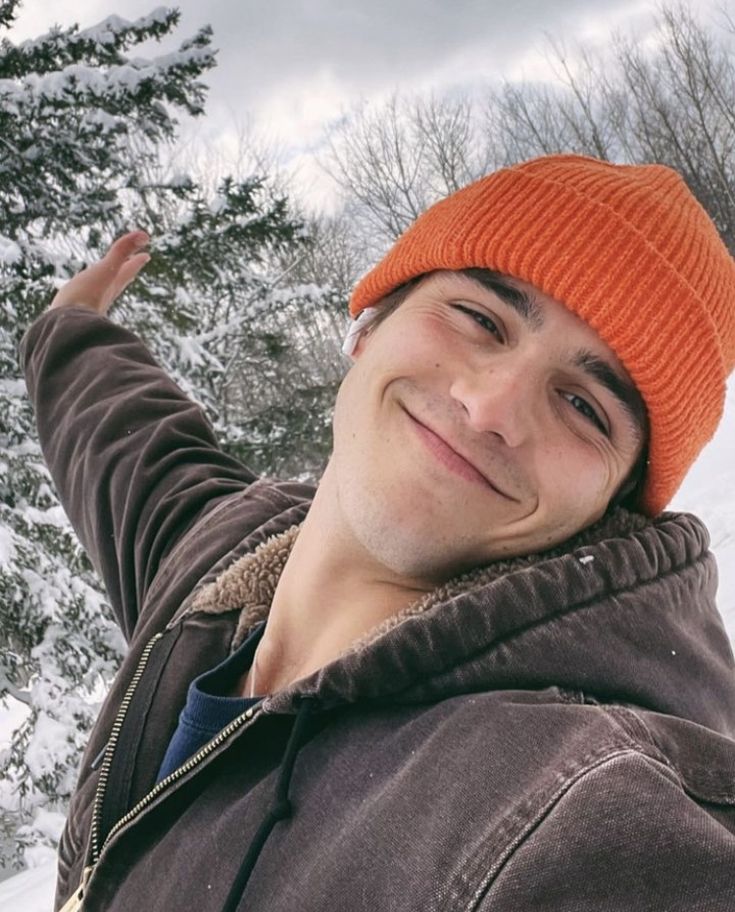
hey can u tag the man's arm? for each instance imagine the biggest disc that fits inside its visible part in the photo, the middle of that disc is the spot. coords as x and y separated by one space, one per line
134 460
624 837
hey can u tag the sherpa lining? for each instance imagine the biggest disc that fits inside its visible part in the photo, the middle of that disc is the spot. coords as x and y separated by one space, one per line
250 582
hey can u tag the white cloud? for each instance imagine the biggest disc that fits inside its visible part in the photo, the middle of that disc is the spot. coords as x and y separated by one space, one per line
290 67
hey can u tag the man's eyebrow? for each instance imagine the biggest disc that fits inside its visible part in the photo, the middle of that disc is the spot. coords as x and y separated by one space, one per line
626 393
530 310
526 306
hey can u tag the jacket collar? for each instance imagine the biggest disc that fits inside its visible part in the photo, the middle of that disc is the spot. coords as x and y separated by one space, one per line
624 612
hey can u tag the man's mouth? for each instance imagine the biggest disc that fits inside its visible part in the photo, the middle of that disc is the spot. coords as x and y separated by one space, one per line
452 459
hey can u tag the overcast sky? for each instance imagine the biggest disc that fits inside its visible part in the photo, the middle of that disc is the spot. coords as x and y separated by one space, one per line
292 67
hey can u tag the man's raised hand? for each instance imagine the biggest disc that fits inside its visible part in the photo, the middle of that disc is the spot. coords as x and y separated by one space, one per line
100 284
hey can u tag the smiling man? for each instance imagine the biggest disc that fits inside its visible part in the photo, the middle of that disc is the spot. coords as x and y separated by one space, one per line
541 413
478 667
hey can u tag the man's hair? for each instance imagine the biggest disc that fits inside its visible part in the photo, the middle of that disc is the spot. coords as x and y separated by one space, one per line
385 306
629 493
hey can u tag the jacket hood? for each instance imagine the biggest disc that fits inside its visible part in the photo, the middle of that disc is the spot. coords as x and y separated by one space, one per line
624 612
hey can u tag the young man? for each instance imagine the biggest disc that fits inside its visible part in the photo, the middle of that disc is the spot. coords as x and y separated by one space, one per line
459 675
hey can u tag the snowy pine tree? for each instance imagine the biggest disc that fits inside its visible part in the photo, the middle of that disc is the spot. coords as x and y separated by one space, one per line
259 354
70 104
82 122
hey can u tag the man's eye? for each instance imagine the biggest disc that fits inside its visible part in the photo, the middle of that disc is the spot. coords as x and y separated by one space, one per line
482 319
584 408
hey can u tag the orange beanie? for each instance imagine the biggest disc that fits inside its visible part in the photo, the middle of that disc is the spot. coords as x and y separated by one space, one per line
625 247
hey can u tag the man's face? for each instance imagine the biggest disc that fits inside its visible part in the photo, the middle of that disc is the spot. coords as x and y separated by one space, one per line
477 424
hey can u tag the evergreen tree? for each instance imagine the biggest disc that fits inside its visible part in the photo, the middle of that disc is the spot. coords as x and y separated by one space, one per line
82 123
260 355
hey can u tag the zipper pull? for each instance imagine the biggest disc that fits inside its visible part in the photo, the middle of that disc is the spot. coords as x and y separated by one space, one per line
100 757
74 903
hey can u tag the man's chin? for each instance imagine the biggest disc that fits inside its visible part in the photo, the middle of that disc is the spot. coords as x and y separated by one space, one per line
417 553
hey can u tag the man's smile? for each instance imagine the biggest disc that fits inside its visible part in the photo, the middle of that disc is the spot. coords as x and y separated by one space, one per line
451 459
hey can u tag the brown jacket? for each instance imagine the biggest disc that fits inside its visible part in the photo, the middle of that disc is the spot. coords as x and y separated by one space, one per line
550 733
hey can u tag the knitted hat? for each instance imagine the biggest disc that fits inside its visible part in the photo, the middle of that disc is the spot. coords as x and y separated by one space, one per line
625 247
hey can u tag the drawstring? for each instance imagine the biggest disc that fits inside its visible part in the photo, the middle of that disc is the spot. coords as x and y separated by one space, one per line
280 810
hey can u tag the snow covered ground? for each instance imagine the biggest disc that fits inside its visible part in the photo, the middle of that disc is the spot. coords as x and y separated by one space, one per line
709 492
31 890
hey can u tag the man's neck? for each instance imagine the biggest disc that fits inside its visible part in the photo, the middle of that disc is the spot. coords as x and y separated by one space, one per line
329 595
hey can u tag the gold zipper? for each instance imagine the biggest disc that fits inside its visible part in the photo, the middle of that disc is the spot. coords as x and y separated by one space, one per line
112 744
250 715
74 903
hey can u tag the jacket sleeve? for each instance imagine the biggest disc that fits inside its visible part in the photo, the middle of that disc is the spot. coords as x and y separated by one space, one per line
134 461
624 837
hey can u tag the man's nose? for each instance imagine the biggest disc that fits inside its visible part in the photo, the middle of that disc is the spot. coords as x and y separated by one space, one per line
499 400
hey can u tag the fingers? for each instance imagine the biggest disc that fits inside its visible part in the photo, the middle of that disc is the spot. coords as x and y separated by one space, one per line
102 282
128 271
124 247
124 260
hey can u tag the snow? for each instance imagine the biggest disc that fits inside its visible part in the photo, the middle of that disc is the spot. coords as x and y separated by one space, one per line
53 516
191 352
32 890
709 492
77 79
10 252
107 31
217 205
7 548
49 824
304 290
106 122
10 387
13 715
180 179
47 746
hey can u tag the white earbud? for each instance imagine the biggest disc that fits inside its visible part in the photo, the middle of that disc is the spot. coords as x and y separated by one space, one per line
357 327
